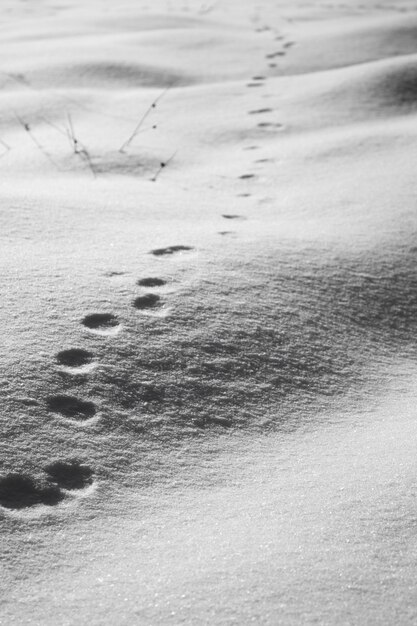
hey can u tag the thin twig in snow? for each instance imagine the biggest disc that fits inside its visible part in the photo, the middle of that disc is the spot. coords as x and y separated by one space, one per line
28 129
162 166
141 121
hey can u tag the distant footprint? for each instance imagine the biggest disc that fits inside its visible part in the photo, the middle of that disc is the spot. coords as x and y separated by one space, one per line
19 491
272 55
246 176
102 323
257 84
270 125
260 111
148 301
71 407
70 474
74 357
170 250
232 216
151 282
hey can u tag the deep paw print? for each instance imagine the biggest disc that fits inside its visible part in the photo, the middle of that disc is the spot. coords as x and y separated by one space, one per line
69 474
148 301
74 357
101 323
20 491
71 407
151 282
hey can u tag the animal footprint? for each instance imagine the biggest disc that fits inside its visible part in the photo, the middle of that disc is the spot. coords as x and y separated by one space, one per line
148 301
151 282
71 407
170 250
74 357
69 474
260 111
270 125
19 491
102 323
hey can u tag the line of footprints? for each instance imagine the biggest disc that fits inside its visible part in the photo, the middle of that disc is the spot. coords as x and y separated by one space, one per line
18 490
68 477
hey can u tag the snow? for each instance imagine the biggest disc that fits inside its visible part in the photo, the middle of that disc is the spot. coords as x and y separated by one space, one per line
230 439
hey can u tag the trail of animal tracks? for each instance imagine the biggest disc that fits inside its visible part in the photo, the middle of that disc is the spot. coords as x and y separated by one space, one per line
208 312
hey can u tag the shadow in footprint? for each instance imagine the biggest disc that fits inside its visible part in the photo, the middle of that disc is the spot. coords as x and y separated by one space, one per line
151 282
74 357
69 474
148 301
270 125
71 407
101 322
260 111
170 250
19 491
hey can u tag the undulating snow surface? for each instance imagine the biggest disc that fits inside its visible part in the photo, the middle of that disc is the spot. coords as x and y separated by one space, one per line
208 311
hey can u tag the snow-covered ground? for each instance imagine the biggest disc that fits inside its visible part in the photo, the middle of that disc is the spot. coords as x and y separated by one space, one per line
208 308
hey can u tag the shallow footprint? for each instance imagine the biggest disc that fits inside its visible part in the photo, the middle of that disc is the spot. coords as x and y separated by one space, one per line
151 282
260 111
74 357
270 125
102 323
72 407
19 491
148 301
70 474
170 250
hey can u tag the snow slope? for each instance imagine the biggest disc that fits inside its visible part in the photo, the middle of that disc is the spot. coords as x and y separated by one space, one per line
209 366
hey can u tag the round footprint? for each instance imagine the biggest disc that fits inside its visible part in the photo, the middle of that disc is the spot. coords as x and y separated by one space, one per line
74 357
148 301
70 474
104 323
19 491
72 407
151 282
